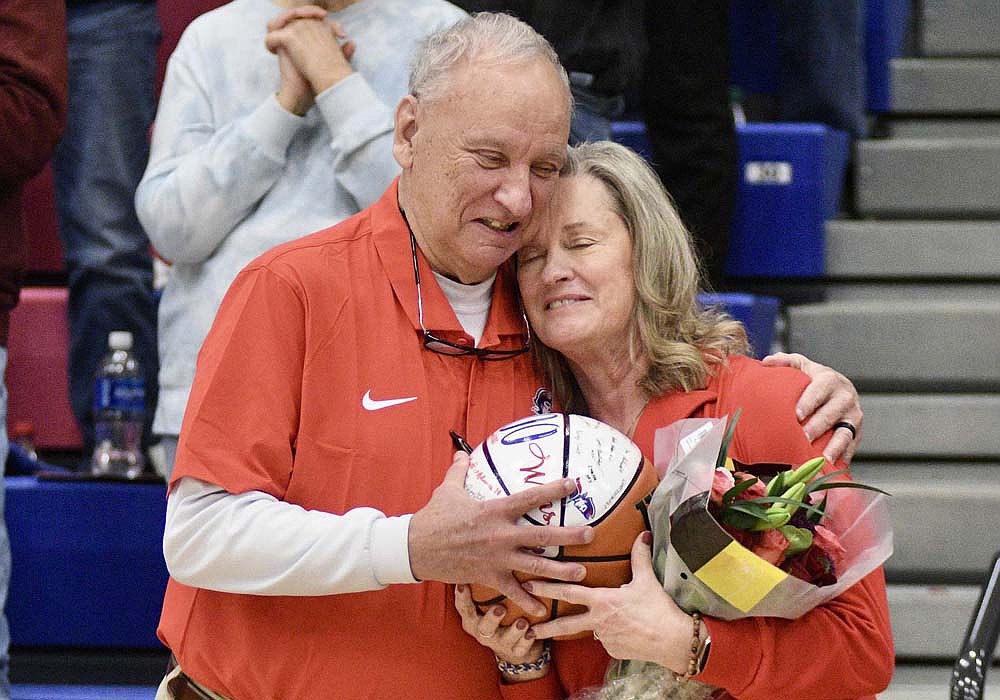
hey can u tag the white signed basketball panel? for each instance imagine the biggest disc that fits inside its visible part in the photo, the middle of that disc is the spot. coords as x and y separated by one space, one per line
613 484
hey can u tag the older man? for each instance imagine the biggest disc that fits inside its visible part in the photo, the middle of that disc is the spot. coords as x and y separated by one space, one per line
329 383
316 513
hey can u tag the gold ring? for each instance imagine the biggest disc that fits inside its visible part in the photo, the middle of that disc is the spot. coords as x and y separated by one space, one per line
488 636
595 636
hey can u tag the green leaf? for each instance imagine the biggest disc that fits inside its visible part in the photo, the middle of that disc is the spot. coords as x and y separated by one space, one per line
740 486
767 500
825 483
750 507
720 461
776 484
826 478
817 512
739 520
850 485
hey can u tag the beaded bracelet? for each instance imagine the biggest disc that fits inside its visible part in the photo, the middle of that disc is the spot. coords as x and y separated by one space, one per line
696 643
529 667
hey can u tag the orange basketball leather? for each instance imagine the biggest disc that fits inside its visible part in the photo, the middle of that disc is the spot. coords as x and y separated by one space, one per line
606 558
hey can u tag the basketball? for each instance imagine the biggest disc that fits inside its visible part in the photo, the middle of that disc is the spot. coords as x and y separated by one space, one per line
613 481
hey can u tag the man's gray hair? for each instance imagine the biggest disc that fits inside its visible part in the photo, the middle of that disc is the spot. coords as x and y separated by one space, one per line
489 36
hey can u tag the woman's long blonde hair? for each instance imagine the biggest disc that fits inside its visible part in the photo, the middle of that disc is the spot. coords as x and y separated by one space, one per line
678 335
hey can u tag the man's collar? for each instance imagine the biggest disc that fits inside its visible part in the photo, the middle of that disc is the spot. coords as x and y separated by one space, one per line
390 234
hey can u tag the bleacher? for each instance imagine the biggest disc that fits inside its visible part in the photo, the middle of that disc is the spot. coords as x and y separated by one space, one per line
907 305
897 288
913 314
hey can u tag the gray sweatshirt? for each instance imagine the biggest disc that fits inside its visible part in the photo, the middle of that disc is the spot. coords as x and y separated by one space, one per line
232 174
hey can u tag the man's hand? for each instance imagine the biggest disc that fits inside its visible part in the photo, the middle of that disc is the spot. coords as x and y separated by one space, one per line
829 399
310 55
457 539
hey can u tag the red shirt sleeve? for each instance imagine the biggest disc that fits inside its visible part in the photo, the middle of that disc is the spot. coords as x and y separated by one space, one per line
576 664
241 421
843 648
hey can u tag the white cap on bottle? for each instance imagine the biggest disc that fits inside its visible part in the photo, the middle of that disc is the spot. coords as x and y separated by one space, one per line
120 340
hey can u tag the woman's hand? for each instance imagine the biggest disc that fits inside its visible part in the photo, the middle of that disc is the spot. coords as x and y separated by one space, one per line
515 644
830 399
636 621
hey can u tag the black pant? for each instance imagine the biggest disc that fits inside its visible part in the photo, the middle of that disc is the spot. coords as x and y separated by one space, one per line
686 106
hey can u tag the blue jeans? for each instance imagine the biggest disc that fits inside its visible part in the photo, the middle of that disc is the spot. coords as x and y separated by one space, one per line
823 63
4 540
97 165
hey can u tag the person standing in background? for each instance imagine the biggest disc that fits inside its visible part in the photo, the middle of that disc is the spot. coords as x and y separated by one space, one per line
602 45
620 49
275 121
689 121
821 44
673 60
32 116
97 165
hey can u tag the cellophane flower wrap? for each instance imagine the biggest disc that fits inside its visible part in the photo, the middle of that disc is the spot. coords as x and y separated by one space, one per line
704 569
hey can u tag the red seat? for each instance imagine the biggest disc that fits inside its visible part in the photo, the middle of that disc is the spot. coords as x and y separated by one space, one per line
37 368
175 15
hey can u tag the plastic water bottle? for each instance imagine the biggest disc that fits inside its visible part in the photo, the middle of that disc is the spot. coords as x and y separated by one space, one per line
119 411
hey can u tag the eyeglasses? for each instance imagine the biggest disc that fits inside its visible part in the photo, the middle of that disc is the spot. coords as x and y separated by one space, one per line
445 347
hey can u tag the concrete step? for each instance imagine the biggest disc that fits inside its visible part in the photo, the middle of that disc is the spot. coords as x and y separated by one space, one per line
930 622
930 426
799 292
937 291
959 27
942 128
903 345
945 85
924 681
940 511
912 249
938 178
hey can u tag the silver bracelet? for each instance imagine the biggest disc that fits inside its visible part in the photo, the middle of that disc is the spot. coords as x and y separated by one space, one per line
529 667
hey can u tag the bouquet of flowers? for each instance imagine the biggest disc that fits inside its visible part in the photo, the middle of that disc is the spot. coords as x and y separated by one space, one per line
728 544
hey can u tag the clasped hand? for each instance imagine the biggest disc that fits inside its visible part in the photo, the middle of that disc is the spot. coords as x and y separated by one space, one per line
311 57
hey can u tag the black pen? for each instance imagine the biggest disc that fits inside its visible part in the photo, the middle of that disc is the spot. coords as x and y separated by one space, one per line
459 442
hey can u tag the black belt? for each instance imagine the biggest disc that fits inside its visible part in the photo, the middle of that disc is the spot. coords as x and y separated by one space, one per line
181 686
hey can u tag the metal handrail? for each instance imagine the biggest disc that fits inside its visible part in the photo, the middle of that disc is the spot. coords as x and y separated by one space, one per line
968 677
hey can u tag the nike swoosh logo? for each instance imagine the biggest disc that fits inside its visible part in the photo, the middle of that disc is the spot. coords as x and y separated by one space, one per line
371 404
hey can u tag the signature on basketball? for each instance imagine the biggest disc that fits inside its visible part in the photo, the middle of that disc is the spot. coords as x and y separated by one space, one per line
528 431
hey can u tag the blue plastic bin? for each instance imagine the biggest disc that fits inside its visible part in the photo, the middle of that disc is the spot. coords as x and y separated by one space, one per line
633 135
790 181
88 563
757 313
81 692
